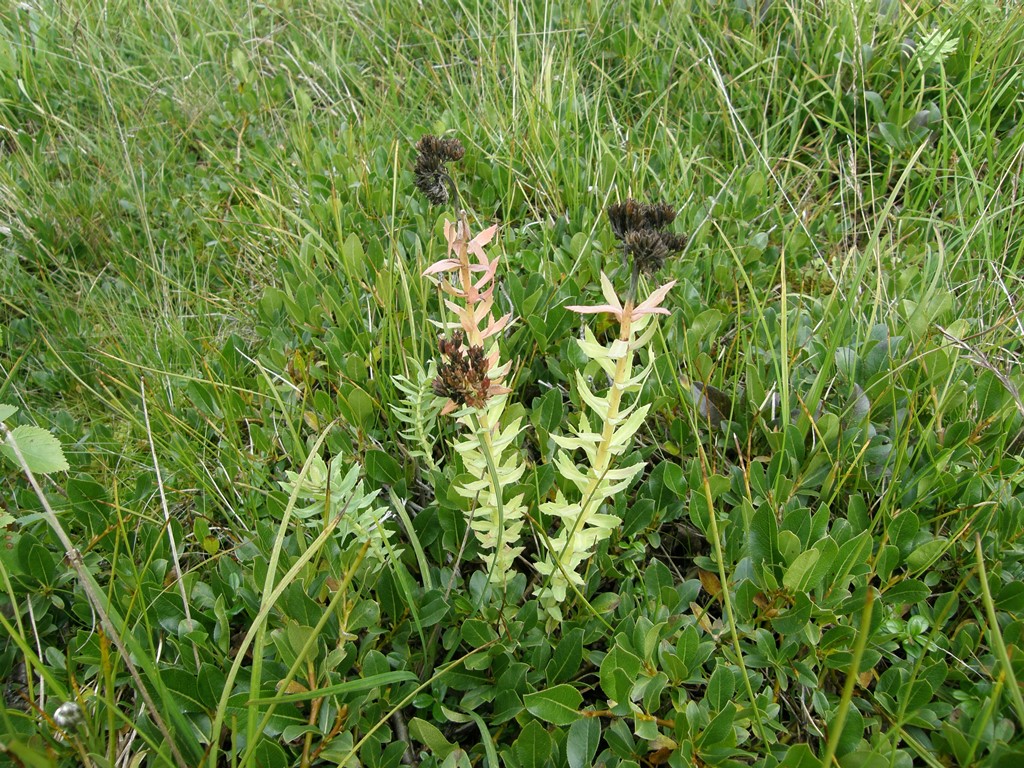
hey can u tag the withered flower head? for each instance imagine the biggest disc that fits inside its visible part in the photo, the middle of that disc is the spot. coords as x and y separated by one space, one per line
431 174
659 215
631 215
641 228
626 216
462 376
649 248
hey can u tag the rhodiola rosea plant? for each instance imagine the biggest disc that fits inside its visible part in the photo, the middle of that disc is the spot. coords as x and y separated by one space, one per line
568 528
615 416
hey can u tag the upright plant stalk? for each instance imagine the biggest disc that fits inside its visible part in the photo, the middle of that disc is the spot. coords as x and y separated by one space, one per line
488 452
469 377
582 525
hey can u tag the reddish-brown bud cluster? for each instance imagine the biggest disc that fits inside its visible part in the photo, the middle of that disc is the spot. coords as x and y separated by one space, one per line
462 372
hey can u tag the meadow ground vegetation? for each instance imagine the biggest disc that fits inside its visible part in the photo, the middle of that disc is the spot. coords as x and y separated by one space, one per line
511 384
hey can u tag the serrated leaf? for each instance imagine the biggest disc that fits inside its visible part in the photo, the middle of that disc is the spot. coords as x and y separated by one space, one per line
533 747
6 411
40 449
582 742
559 705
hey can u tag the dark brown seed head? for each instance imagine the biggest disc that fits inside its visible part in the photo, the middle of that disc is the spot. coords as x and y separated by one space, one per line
649 248
659 215
440 150
431 175
631 215
626 216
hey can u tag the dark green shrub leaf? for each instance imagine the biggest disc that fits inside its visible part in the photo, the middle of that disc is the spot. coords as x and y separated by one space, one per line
619 670
382 468
797 575
794 618
477 633
721 688
926 554
433 608
35 560
865 759
800 756
719 731
906 592
567 659
853 731
763 543
1011 598
533 747
559 705
431 736
547 410
582 743
903 530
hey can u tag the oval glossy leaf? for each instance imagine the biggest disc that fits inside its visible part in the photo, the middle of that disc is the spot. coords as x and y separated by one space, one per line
382 468
721 687
581 744
618 673
797 575
567 659
559 705
429 734
763 542
533 747
926 554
